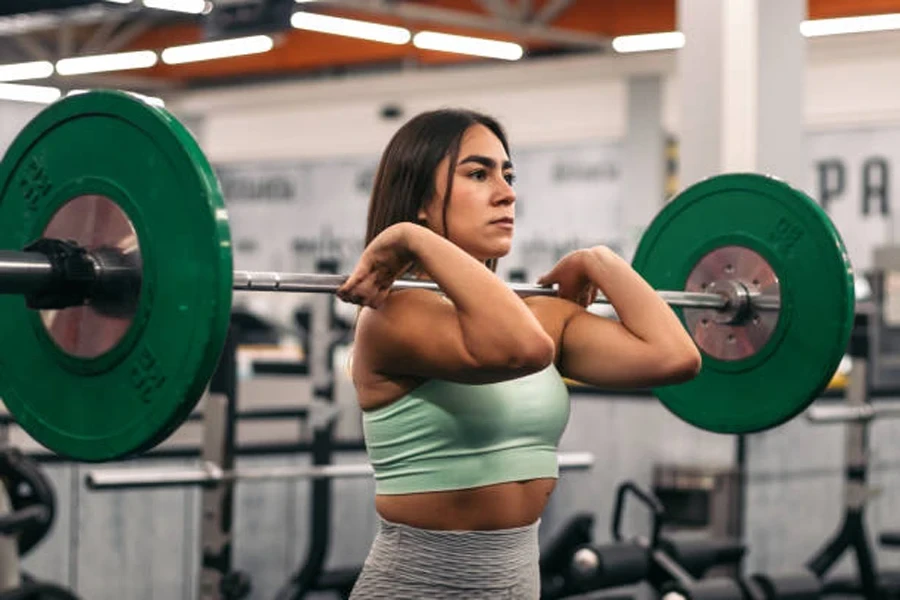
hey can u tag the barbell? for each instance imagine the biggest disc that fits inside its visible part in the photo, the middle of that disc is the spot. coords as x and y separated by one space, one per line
209 473
117 278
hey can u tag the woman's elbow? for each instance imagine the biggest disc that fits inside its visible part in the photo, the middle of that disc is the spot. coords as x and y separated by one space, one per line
534 354
684 365
519 354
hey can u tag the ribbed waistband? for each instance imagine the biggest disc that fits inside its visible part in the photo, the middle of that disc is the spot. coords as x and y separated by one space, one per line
465 559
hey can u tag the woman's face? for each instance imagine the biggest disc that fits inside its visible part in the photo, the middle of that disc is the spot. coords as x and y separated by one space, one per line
480 218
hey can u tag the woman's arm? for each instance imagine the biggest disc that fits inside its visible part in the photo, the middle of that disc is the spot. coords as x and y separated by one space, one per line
486 332
647 346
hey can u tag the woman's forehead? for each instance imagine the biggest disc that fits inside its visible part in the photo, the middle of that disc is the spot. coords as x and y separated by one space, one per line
478 139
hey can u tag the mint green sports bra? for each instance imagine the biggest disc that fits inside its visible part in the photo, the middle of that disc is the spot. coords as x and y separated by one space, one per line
450 436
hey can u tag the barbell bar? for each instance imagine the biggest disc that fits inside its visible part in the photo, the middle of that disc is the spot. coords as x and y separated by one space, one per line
27 272
122 251
850 414
210 473
265 281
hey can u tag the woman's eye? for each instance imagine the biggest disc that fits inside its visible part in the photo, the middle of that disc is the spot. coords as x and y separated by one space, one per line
478 175
510 178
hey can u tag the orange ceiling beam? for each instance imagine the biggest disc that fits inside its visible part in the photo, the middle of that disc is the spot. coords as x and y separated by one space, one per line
298 50
304 51
829 9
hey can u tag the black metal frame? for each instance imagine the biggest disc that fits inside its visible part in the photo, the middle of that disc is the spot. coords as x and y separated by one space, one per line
852 534
324 333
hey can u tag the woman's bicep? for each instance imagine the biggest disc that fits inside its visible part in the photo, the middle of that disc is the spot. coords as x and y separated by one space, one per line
602 352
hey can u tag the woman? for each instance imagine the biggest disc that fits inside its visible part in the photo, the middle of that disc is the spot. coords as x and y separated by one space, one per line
462 392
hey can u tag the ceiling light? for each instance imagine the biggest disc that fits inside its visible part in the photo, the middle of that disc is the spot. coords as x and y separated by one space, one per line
365 30
151 100
430 40
27 70
29 93
647 42
819 27
121 61
810 28
193 7
255 44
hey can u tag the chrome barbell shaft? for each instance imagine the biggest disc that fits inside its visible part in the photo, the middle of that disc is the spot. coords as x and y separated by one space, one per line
263 281
25 272
122 479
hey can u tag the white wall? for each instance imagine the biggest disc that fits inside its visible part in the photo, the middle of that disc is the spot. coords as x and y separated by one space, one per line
542 103
13 116
850 81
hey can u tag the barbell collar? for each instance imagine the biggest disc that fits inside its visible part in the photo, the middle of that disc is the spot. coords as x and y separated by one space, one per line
56 274
210 474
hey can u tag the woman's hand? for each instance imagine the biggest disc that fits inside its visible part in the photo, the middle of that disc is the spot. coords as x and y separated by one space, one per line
570 274
385 259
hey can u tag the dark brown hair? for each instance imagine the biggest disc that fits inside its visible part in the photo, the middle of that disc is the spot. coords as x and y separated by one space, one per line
405 180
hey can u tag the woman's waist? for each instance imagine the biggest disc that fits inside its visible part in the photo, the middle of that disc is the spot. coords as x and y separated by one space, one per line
485 508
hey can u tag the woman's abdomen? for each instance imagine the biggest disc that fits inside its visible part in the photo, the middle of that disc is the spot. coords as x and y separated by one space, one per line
498 506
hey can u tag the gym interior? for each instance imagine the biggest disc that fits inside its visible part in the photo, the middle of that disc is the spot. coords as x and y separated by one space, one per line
614 109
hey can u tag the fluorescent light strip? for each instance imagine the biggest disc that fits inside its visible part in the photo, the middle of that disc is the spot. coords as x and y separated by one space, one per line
672 40
365 30
192 7
648 42
29 70
29 93
820 27
122 61
151 100
255 44
460 44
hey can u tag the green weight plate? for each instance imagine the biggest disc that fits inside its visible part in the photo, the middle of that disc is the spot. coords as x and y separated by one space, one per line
115 399
758 216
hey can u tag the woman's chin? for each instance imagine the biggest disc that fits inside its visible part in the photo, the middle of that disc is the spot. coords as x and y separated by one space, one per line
492 251
496 253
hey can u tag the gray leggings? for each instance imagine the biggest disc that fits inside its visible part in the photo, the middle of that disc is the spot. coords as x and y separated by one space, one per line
409 563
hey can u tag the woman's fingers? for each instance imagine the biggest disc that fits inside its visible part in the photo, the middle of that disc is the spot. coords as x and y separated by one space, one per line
369 288
548 278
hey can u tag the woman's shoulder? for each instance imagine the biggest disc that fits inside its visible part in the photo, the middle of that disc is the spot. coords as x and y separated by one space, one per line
376 328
